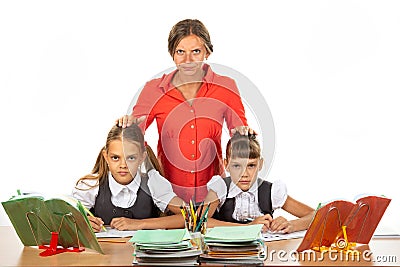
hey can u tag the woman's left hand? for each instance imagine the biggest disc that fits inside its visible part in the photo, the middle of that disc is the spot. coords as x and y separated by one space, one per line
243 130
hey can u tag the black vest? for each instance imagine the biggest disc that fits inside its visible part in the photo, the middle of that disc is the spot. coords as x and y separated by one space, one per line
143 208
264 201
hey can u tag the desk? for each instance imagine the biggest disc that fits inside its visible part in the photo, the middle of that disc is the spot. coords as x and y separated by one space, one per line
13 253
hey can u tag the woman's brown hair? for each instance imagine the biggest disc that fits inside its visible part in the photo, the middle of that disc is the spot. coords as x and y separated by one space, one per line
185 28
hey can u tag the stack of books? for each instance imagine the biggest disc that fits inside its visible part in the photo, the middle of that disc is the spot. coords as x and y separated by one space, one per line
164 247
234 245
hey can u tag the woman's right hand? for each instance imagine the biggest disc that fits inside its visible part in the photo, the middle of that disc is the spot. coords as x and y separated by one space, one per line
128 120
96 223
243 130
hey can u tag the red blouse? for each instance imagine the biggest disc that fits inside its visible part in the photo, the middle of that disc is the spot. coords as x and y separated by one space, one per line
189 145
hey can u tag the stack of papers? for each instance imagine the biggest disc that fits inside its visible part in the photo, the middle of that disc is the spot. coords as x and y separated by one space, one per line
164 247
234 245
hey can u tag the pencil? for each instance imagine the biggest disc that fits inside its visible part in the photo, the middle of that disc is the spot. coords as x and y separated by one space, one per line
111 240
201 210
203 218
91 214
184 217
193 214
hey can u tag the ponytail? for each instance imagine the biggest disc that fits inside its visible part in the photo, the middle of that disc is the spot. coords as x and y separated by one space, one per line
151 161
99 172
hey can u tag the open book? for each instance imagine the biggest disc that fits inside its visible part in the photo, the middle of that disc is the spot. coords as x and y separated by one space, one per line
35 218
344 220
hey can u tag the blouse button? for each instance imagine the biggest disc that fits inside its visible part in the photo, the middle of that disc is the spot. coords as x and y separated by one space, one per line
192 171
192 142
192 126
192 110
192 156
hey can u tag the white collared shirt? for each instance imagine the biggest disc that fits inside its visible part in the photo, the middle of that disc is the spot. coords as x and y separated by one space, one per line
246 203
124 196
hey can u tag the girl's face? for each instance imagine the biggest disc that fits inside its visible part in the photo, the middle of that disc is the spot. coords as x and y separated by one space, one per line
124 160
244 171
190 54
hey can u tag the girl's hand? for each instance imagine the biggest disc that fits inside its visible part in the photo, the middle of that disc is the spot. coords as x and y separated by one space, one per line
265 219
123 223
96 223
243 130
281 225
128 120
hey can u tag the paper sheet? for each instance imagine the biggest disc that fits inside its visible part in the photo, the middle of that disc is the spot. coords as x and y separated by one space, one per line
269 236
114 233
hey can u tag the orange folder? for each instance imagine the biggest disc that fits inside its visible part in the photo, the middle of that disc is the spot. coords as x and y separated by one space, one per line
360 220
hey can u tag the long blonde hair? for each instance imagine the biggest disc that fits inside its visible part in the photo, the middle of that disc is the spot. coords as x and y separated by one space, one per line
133 134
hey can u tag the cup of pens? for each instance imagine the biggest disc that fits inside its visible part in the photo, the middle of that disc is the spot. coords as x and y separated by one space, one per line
197 239
196 222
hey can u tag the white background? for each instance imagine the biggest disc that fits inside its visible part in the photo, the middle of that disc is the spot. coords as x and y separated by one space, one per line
329 71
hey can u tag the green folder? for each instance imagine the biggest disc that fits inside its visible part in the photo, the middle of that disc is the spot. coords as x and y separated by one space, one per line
34 218
173 236
245 233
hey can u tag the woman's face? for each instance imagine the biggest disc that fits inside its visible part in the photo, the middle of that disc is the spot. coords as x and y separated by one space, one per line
244 171
190 54
123 160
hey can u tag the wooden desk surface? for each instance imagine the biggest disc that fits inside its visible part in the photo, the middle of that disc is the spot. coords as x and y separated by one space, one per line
385 251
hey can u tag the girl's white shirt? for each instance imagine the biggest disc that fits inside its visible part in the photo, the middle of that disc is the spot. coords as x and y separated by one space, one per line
124 196
246 203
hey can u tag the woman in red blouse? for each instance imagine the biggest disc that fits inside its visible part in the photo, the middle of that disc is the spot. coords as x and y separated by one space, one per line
190 106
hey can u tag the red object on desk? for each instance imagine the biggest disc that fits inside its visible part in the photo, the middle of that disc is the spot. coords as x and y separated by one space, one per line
53 248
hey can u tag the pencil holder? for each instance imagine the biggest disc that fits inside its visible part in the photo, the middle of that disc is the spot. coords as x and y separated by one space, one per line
198 240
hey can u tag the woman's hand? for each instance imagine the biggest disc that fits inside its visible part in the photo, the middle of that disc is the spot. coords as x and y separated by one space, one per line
281 225
123 223
264 219
243 130
96 223
128 120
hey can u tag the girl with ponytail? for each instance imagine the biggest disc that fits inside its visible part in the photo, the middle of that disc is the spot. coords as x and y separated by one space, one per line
119 194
